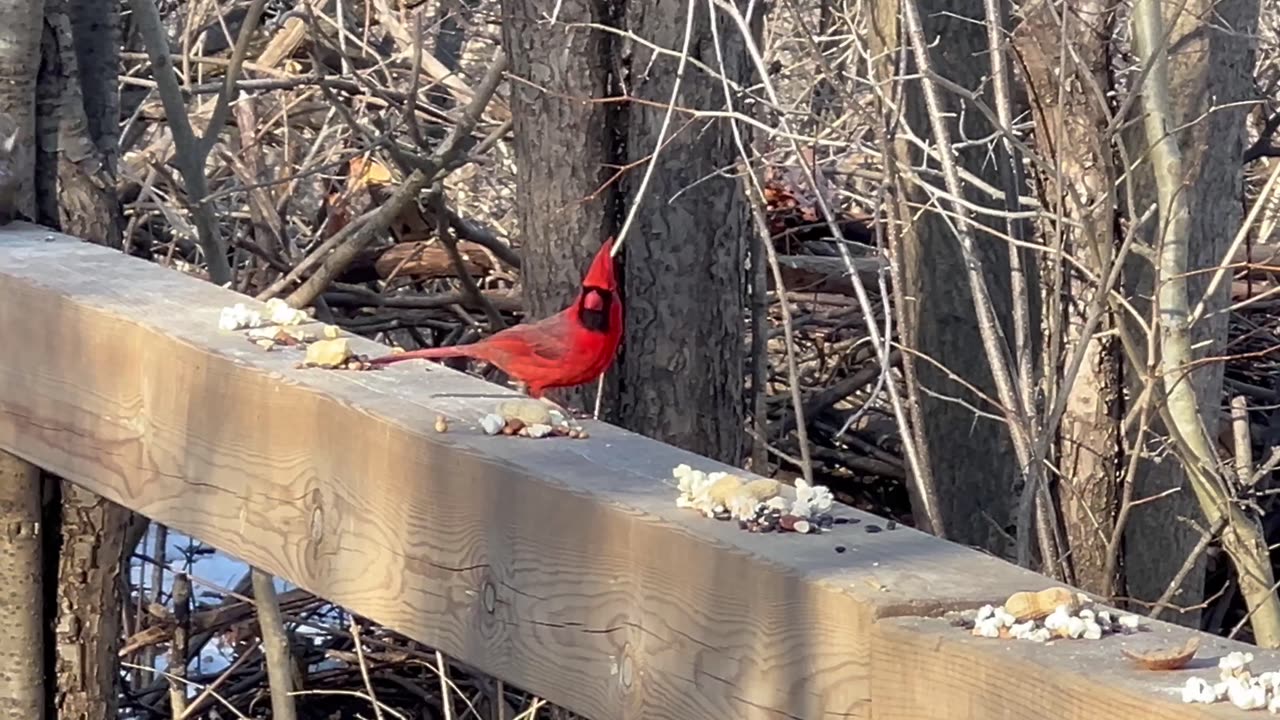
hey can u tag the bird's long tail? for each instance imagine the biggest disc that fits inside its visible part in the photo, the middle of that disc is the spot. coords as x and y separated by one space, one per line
425 354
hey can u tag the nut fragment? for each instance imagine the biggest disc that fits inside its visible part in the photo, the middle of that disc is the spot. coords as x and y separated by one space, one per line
328 353
1164 658
537 430
761 489
724 489
1036 605
528 411
442 425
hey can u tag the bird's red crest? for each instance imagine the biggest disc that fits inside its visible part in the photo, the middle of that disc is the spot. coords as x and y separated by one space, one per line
600 274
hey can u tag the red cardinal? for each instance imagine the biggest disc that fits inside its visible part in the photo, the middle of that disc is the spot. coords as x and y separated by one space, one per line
572 347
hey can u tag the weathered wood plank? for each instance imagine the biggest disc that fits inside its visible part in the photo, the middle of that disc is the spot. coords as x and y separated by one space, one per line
922 669
562 566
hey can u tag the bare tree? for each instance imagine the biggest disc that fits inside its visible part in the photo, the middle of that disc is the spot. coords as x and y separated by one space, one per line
1065 66
22 676
971 458
75 191
683 369
566 146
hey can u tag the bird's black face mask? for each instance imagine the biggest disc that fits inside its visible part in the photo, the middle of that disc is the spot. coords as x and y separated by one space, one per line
593 309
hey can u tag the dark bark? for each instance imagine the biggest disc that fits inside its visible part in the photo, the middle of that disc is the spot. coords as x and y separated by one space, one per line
970 456
1210 68
75 171
1072 134
682 358
565 148
87 625
75 174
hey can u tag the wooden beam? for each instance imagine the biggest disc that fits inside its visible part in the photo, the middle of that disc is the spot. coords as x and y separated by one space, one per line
562 566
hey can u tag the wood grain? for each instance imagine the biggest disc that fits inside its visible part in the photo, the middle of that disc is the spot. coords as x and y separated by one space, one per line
923 669
561 566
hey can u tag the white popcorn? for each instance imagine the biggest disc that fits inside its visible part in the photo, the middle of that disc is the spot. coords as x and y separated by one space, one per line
1246 695
1023 630
1198 690
238 316
985 612
1039 635
1270 679
1075 628
1092 630
989 628
813 497
279 313
1004 617
1129 621
1058 619
1235 664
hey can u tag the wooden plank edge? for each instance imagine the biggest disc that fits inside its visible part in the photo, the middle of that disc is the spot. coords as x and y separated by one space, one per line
927 669
674 616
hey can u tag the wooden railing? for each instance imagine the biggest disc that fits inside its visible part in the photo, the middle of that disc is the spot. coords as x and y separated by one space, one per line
562 566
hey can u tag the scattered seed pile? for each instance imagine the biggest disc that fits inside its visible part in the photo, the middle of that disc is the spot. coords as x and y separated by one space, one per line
240 316
757 505
1046 615
1237 685
530 418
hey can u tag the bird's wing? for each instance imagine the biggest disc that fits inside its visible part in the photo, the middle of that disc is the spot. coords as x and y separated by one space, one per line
541 345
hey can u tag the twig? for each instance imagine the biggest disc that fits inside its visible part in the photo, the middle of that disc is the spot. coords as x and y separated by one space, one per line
1243 537
1263 147
926 489
469 287
191 152
446 697
347 243
1240 434
364 668
275 646
178 646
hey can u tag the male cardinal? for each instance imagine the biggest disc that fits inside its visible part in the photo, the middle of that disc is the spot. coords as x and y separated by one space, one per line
572 347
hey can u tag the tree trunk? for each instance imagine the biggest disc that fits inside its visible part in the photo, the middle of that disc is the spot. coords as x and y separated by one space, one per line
22 689
76 193
23 656
76 170
565 148
1209 67
970 455
1071 134
682 358
87 627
